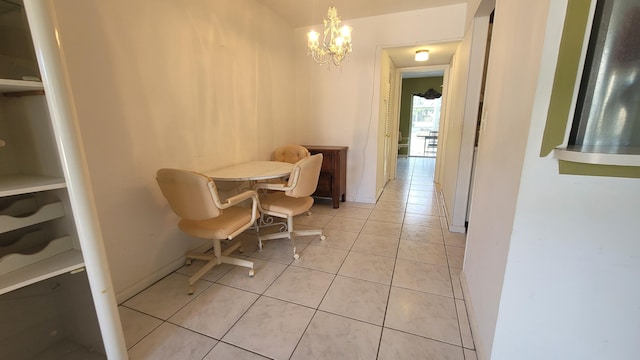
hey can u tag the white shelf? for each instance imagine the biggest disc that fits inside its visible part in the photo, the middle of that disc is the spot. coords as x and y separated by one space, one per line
45 213
21 207
8 85
620 156
39 251
17 184
27 244
52 266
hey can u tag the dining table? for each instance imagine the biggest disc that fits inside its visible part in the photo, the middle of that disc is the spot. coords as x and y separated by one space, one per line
430 138
251 171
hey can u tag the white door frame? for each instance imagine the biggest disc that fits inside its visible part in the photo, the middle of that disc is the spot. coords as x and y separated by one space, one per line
434 70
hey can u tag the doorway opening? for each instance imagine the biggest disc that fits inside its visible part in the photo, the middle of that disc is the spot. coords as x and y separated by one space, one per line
421 108
425 125
410 81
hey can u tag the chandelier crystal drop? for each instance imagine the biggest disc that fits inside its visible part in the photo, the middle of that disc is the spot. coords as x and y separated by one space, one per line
336 41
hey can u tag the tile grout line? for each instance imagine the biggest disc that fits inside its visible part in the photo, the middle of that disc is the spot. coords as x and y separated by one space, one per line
395 262
315 310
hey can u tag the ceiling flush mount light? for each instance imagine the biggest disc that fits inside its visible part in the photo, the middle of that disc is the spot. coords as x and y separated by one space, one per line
336 41
422 55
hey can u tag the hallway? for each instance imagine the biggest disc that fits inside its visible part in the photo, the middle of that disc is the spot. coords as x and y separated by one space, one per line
383 285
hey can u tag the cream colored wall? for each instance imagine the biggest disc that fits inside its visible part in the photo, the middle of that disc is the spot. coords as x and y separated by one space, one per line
453 122
472 7
461 120
160 83
341 106
552 260
479 8
507 106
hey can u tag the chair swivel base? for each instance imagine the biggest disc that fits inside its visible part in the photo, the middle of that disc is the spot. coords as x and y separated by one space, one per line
290 235
218 257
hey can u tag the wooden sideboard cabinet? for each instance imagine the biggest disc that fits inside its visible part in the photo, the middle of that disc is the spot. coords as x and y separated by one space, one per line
333 175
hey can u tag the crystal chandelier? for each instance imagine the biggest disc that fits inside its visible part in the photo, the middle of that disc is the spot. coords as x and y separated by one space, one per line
336 42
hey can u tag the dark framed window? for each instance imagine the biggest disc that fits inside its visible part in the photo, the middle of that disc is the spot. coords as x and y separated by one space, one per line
607 116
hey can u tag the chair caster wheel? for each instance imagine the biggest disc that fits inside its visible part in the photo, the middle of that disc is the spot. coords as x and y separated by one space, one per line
323 238
296 256
187 262
191 290
251 273
240 250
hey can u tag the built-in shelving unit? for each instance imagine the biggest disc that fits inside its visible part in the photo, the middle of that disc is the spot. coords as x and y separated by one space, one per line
36 242
16 181
39 247
49 229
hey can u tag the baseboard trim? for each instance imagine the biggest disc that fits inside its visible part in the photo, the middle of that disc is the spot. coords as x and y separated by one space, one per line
452 228
457 229
480 349
365 200
160 273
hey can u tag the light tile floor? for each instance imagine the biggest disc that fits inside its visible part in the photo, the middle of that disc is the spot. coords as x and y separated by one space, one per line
383 285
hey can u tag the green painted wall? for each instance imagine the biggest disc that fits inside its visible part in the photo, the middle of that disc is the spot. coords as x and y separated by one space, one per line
565 77
410 87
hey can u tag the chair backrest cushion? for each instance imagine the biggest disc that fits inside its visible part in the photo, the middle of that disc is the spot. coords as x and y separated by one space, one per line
290 153
306 181
190 194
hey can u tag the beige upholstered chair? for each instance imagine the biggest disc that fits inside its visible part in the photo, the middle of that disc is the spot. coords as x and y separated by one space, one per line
194 198
290 153
291 199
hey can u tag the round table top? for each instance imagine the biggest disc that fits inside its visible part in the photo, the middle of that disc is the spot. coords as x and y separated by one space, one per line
251 170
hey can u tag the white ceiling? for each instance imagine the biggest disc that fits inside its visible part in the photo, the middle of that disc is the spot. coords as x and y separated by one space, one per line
300 13
439 54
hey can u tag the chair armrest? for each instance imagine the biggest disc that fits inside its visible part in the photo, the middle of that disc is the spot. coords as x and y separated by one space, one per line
293 180
236 199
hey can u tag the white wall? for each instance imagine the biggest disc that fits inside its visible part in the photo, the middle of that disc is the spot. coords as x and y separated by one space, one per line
461 120
159 83
552 261
341 106
509 91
